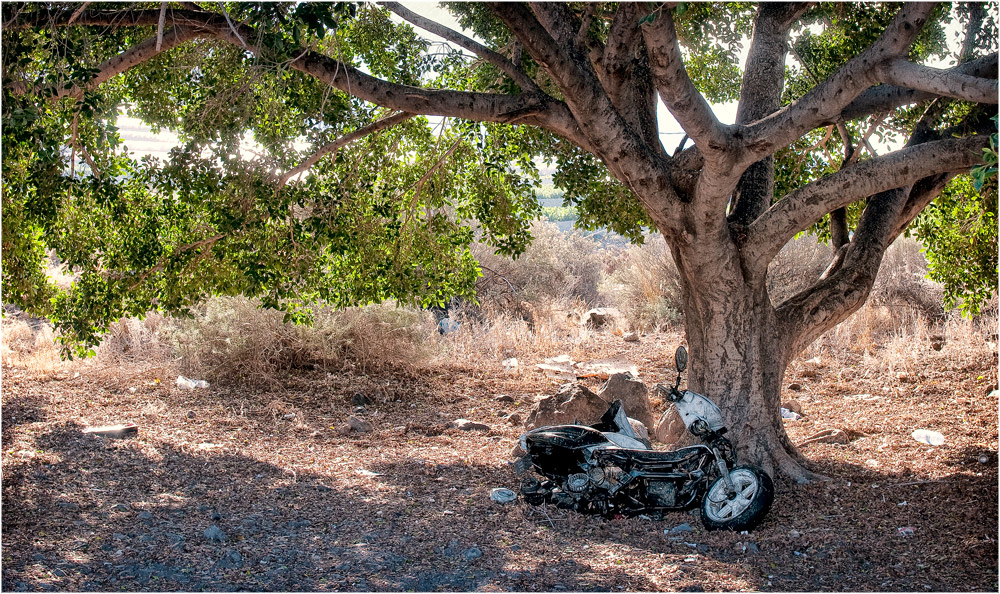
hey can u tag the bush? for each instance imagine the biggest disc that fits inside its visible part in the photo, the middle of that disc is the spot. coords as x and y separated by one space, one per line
556 267
644 284
231 340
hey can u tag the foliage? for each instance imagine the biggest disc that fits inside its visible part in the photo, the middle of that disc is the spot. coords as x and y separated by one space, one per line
390 216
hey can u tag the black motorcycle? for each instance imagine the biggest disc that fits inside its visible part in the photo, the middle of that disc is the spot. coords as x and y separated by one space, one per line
605 469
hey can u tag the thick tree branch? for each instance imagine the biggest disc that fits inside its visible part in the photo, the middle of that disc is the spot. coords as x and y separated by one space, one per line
505 65
808 314
760 96
343 141
613 140
803 207
828 99
525 108
885 98
943 83
678 92
137 54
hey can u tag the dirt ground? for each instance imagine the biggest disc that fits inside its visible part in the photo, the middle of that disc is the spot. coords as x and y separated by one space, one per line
230 489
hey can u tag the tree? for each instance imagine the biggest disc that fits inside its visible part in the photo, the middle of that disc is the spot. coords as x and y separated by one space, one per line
576 83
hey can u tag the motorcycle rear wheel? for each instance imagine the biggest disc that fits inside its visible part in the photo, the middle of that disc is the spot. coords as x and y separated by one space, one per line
743 511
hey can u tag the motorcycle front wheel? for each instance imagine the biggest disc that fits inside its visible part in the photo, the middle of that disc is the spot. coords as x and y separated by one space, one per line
743 509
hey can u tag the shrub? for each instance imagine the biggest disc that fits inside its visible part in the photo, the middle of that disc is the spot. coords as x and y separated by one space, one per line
556 267
231 340
644 284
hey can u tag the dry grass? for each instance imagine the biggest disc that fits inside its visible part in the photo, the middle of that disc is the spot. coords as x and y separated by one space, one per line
29 344
231 340
557 268
643 283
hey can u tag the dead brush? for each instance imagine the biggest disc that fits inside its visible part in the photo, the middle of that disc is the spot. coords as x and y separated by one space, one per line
554 267
554 326
645 286
231 340
29 344
133 340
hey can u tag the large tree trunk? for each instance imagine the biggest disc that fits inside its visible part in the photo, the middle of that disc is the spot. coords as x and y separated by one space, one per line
738 355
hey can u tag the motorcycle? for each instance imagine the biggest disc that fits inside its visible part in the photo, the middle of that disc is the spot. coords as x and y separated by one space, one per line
606 469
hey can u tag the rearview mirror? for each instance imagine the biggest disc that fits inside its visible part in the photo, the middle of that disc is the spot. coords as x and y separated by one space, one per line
681 359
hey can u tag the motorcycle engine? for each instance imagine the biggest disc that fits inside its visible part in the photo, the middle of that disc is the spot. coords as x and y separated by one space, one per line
661 493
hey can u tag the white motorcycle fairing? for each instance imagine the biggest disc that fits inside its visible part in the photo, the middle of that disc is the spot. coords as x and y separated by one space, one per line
694 406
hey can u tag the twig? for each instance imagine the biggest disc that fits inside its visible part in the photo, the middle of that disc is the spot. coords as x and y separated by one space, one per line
162 23
77 13
920 483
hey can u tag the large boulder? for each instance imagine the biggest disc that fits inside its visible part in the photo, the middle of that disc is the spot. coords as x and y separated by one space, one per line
599 317
572 404
670 428
632 393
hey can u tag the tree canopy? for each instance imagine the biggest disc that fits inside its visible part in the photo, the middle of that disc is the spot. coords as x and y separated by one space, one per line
350 196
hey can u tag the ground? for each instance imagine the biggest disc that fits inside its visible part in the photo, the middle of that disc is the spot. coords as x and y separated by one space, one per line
298 505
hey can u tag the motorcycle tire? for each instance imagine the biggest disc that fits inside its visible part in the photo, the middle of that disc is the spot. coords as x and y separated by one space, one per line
744 511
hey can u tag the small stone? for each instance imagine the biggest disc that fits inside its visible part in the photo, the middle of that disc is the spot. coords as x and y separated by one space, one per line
794 534
216 516
68 505
361 400
120 507
118 536
794 406
515 419
145 516
214 533
685 527
191 414
231 559
630 337
472 553
504 398
360 425
467 425
752 548
795 387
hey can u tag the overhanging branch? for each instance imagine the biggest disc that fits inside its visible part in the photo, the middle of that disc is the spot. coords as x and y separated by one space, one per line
803 207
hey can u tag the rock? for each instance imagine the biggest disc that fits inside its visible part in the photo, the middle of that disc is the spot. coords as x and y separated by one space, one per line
231 559
794 534
504 398
598 317
361 400
630 337
827 436
793 405
472 553
467 425
795 387
571 404
752 548
670 429
69 505
359 425
685 527
214 533
639 428
632 393
937 342
509 364
515 419
191 414
120 507
145 516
